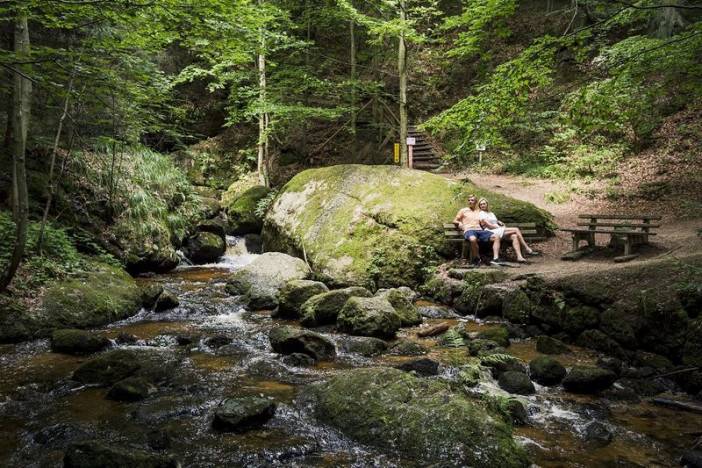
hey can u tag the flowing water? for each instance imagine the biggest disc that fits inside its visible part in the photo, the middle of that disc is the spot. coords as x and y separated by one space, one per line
42 409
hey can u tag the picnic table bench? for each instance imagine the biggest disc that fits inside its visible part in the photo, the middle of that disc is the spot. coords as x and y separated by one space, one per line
623 229
454 235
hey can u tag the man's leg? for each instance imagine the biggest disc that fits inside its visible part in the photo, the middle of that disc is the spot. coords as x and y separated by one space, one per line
474 251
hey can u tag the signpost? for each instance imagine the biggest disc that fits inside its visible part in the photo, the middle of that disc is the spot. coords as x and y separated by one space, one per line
411 141
397 153
480 148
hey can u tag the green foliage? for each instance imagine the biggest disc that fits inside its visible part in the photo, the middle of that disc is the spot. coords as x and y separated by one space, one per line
264 203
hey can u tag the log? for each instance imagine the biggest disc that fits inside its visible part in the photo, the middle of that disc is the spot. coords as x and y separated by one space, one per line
434 330
679 405
625 258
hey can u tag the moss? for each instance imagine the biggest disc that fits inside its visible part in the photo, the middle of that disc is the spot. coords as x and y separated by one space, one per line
498 334
420 418
242 211
365 224
692 352
16 323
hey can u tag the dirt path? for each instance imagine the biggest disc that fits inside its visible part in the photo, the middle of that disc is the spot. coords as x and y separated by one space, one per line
675 237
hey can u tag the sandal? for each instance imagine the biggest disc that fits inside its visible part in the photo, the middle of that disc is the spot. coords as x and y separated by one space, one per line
533 253
524 261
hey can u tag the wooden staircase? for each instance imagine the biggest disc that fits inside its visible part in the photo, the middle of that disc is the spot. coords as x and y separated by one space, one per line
424 158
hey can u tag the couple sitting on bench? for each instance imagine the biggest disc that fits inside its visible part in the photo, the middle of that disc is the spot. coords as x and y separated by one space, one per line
479 224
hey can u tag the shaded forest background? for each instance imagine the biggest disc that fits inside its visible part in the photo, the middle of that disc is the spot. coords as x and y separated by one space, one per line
144 114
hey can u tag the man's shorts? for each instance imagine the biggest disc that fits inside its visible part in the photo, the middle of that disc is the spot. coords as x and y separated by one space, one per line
481 235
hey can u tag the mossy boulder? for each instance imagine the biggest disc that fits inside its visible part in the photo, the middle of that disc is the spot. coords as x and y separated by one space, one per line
407 348
442 289
241 414
549 345
369 316
499 334
421 419
150 294
112 366
242 211
580 318
545 370
92 454
16 322
142 255
597 340
398 299
516 382
380 225
501 363
131 389
692 351
261 280
588 380
287 340
294 293
71 341
204 247
166 301
324 308
364 345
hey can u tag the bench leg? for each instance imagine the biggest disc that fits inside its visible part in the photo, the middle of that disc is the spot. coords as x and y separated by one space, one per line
576 242
627 246
465 250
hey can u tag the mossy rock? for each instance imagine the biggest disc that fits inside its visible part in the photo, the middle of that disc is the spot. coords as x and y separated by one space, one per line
294 293
516 306
442 289
369 316
242 414
112 366
421 419
546 370
131 389
588 380
407 348
242 211
692 351
289 340
92 454
379 225
364 345
77 342
324 308
409 315
549 345
204 247
498 334
94 298
516 382
580 318
480 295
16 322
599 341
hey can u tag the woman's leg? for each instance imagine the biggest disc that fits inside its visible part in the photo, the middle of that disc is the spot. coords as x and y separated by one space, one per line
518 234
516 246
495 247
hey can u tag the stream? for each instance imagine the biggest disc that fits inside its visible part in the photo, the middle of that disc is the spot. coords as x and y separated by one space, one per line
42 409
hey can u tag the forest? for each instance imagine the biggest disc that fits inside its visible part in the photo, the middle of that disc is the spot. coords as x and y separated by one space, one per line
229 233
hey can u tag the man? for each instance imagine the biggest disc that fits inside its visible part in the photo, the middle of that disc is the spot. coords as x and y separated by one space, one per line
468 220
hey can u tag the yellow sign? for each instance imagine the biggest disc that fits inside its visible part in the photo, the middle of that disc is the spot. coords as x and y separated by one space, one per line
397 153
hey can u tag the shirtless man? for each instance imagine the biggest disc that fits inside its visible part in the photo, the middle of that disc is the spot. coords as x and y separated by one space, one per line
468 220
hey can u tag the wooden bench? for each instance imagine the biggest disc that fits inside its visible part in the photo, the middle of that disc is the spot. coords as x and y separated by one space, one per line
453 234
627 230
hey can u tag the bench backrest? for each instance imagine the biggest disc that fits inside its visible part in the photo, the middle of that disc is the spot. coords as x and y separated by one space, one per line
529 230
616 222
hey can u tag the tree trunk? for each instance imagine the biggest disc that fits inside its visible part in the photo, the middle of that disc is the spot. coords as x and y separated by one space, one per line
21 105
402 69
354 103
262 117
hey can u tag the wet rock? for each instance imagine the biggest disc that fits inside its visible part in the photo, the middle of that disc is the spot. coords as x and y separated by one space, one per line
157 259
433 330
217 341
442 289
77 342
260 280
399 299
242 414
204 247
469 375
149 295
517 412
242 211
498 334
588 380
580 318
364 345
294 294
478 347
516 305
655 361
368 316
58 435
217 226
421 418
407 348
501 363
298 360
112 366
598 434
595 339
646 387
288 340
621 393
185 340
126 339
166 301
98 454
423 367
159 439
324 308
516 382
610 363
436 311
691 459
253 243
546 371
548 345
131 389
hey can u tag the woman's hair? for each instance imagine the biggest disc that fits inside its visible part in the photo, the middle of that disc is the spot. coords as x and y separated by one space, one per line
487 205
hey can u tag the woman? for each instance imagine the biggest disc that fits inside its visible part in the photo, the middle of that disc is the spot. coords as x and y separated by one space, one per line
490 222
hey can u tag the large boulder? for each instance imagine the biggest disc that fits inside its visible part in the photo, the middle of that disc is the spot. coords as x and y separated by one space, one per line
261 280
92 454
421 419
153 258
516 382
111 367
545 370
369 316
399 300
288 340
380 225
295 293
588 380
204 247
242 211
241 414
323 309
71 341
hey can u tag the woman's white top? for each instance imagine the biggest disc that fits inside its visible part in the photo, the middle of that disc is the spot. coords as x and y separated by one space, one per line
490 217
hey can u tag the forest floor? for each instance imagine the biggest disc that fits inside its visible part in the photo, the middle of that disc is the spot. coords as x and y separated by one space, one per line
676 237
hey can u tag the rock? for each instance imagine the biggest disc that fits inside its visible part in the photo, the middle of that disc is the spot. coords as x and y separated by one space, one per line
98 454
131 389
691 459
242 211
611 364
217 226
436 311
407 348
185 340
217 341
294 293
253 243
598 434
516 306
16 321
501 363
298 360
548 345
211 206
77 342
469 375
287 340
159 439
478 347
433 330
480 297
364 345
399 300
362 224
692 350
115 365
655 361
588 380
150 294
498 334
166 301
595 339
242 414
517 412
260 280
421 418
442 289
545 370
580 318
126 338
323 309
423 367
204 247
516 382
161 257
368 316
